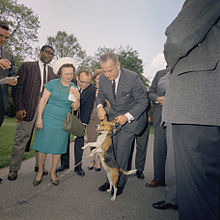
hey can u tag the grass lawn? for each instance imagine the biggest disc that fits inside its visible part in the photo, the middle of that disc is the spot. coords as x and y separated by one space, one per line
7 133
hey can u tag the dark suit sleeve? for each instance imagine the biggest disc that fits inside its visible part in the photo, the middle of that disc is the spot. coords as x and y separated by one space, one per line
88 104
12 69
153 89
189 28
19 96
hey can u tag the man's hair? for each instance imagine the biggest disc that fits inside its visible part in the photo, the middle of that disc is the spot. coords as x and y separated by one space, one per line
109 56
46 46
4 25
86 71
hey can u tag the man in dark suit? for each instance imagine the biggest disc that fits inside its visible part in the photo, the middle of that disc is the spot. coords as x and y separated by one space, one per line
157 95
87 98
7 68
127 96
32 77
192 104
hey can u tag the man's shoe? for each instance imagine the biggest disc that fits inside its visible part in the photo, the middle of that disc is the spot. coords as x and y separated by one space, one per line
45 172
12 175
104 187
1 180
79 171
164 205
61 168
119 191
140 174
155 183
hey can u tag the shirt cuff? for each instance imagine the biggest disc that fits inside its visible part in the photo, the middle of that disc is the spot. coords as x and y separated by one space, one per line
130 117
99 105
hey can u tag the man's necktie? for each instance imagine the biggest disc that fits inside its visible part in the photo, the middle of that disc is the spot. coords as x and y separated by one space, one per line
113 88
45 75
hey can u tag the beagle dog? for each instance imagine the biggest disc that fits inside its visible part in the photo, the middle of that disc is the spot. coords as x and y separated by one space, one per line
103 146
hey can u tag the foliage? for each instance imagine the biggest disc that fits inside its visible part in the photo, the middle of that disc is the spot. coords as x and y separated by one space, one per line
6 142
128 57
67 46
23 25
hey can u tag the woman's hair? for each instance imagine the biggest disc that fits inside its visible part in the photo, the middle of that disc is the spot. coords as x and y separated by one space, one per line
66 65
97 73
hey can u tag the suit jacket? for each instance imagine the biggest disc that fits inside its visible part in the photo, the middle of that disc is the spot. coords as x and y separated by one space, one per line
192 50
5 73
87 98
131 97
154 92
27 93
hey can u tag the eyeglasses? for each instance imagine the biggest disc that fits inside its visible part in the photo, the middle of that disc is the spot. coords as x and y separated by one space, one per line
85 83
49 53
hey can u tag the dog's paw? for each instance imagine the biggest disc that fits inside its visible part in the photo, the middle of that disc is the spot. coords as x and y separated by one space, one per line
113 198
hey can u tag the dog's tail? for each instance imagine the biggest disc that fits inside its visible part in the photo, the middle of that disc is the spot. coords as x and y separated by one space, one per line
129 172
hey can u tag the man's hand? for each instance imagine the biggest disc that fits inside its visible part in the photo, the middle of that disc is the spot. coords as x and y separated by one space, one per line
122 119
160 99
21 114
5 64
12 82
101 113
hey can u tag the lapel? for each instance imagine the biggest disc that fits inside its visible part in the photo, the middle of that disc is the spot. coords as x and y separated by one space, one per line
121 85
38 70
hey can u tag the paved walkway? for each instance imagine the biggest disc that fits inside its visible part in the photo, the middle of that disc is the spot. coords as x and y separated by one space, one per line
78 198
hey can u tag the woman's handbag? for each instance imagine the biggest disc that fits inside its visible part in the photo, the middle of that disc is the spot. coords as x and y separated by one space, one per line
73 124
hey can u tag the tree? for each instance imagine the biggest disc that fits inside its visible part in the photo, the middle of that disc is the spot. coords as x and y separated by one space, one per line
23 25
67 46
128 57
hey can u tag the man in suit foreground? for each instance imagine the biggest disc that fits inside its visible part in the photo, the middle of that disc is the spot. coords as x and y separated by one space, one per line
87 98
192 104
7 68
32 77
127 96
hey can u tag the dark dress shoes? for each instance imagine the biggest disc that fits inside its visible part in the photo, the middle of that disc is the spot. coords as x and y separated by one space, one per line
45 172
119 191
61 168
155 183
12 175
140 174
164 205
104 187
79 171
1 180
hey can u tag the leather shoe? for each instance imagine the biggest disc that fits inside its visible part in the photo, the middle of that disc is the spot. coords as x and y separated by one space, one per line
37 182
104 187
140 174
155 183
164 205
119 191
79 171
97 169
1 180
12 175
45 172
61 168
55 181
